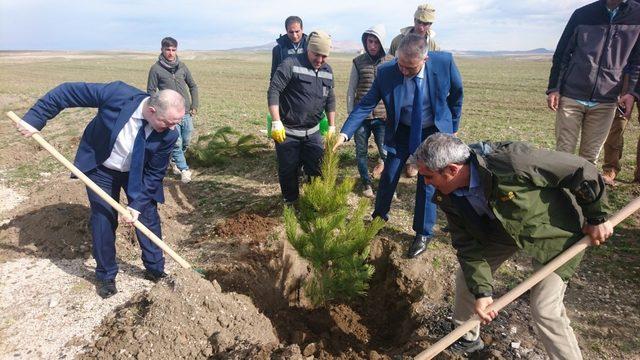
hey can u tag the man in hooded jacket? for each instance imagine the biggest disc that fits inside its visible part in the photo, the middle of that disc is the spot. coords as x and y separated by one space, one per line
363 72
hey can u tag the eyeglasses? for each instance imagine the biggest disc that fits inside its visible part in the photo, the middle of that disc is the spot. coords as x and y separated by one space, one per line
418 22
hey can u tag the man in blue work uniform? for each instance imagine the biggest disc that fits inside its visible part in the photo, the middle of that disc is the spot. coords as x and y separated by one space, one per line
300 91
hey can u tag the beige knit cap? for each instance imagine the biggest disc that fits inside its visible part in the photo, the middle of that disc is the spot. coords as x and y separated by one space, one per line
425 13
319 42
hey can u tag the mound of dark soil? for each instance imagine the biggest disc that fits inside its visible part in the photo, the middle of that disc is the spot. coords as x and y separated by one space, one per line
243 224
184 317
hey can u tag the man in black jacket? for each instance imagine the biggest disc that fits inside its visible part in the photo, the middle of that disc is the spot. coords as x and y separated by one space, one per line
585 82
294 42
300 91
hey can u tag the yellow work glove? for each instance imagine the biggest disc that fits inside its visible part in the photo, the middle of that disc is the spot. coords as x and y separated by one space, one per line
277 131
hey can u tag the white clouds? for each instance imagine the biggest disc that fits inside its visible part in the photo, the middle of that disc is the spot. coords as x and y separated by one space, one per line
200 24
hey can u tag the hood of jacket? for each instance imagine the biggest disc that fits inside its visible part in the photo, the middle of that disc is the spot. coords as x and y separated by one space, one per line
379 32
405 31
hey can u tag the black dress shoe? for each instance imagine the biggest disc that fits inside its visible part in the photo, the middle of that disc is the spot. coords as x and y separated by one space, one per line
107 288
154 276
464 347
418 246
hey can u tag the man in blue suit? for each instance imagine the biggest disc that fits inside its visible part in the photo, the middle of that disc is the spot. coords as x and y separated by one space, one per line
126 146
432 85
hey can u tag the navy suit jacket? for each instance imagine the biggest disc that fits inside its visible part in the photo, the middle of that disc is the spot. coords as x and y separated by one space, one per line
445 94
116 102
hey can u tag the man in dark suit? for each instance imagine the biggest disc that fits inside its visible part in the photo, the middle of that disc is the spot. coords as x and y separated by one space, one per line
126 146
415 80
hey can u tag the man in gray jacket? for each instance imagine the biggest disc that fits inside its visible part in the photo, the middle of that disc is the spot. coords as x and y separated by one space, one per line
170 73
363 72
600 40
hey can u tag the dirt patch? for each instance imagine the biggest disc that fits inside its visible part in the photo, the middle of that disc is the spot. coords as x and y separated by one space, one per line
10 199
57 231
243 224
379 323
183 317
54 224
49 309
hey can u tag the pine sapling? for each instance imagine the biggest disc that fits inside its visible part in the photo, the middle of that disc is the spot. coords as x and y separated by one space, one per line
326 231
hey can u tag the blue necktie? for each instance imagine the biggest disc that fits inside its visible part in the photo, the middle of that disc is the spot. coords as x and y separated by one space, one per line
134 185
415 134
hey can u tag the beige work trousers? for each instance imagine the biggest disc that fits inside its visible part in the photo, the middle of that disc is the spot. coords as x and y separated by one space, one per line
547 309
591 125
614 146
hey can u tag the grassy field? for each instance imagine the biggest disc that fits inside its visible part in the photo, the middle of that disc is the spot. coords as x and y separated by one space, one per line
504 97
504 100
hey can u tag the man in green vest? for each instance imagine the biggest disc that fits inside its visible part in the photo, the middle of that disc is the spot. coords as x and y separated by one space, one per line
500 198
363 72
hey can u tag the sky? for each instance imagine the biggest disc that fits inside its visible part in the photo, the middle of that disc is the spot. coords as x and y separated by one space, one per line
220 24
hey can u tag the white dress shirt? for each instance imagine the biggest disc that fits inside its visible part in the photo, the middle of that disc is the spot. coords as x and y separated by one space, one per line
120 158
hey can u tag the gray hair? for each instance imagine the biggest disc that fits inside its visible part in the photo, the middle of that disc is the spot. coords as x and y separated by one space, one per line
413 46
164 100
440 150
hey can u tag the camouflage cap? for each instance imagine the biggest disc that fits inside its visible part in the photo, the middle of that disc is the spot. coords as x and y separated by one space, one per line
425 13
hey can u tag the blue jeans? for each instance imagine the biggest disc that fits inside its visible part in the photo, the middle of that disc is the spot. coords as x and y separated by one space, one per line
184 129
361 137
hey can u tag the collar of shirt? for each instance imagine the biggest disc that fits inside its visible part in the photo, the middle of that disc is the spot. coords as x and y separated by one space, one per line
138 113
614 12
474 183
419 75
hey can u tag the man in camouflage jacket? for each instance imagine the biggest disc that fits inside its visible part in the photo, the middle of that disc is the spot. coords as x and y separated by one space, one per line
500 198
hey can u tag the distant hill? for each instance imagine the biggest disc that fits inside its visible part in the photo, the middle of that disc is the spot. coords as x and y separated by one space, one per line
481 53
338 46
355 47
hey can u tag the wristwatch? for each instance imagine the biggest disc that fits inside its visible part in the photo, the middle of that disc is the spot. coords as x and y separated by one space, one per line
484 294
597 220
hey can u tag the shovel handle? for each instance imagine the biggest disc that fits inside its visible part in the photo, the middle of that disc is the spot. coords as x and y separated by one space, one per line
538 276
90 184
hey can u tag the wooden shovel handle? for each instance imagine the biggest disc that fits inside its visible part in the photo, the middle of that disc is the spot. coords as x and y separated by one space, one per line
538 276
121 210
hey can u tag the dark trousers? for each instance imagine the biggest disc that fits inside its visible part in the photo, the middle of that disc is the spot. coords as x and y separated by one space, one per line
424 216
292 152
104 222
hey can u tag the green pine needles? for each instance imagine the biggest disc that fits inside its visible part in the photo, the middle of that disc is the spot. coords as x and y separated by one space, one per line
220 147
332 236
